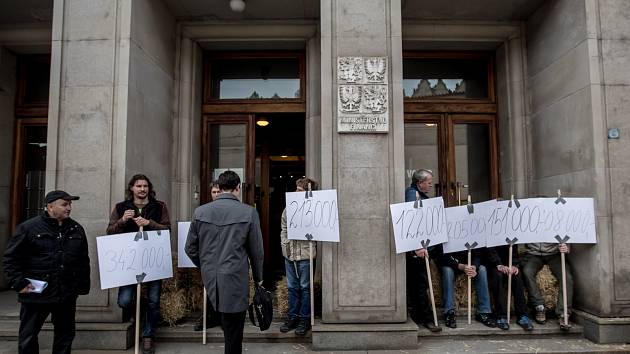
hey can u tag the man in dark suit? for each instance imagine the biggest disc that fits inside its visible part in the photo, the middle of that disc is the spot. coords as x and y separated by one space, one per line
223 235
49 249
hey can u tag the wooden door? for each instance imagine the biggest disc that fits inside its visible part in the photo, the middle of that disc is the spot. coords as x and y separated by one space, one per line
228 143
460 150
29 169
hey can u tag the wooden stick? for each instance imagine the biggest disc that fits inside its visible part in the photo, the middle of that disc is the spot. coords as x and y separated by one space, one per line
564 289
469 289
310 270
138 288
426 260
205 313
509 289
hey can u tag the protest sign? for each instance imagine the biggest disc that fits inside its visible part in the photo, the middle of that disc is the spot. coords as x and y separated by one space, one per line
183 261
134 257
313 215
416 227
467 225
541 219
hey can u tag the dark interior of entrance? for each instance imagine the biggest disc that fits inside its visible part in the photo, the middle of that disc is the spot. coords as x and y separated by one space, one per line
280 150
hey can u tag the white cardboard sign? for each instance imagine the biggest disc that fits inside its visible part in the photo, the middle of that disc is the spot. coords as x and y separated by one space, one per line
415 226
134 257
467 225
183 261
541 220
313 215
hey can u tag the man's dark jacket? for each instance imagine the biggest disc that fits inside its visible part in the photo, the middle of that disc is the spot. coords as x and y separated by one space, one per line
41 249
155 211
223 235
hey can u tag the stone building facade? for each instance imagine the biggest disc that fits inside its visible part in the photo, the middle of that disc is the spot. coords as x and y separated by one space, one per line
127 94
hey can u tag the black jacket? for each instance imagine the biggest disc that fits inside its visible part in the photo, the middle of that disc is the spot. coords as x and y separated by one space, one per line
155 211
41 249
499 256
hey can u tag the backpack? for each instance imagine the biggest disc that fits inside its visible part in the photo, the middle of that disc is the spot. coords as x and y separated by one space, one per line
263 306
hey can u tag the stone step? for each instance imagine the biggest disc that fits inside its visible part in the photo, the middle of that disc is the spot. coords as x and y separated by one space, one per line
120 335
478 330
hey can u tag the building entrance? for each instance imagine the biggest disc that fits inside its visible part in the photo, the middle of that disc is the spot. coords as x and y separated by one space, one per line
450 123
267 151
254 123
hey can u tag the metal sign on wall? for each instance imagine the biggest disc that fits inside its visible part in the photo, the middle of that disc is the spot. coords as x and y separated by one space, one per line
362 95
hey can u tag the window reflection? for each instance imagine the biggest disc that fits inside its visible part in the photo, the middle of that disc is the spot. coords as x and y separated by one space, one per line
255 79
427 78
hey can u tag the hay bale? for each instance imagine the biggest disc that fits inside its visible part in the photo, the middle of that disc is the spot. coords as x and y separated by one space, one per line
549 287
282 297
174 306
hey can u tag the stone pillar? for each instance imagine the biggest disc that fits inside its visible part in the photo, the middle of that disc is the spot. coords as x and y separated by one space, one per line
577 58
363 280
109 118
87 121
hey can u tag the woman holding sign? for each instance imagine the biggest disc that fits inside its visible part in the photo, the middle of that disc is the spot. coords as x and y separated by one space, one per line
297 262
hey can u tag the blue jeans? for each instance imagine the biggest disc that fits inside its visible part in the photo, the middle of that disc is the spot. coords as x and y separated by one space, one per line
151 316
481 285
298 283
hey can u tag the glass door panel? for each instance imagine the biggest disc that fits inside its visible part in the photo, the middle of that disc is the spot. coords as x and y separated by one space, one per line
422 148
473 163
227 141
30 169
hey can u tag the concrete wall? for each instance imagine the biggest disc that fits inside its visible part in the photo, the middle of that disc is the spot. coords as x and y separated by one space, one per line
149 114
613 32
576 83
7 123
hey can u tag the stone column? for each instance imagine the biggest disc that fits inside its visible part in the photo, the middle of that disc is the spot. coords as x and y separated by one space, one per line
109 117
363 280
87 122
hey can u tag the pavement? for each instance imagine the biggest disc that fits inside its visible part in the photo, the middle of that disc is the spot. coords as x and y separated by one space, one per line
473 338
441 346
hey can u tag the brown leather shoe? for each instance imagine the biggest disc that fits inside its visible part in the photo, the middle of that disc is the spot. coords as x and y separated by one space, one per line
148 346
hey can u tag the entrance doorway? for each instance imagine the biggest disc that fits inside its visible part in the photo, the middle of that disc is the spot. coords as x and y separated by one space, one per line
267 152
254 108
450 123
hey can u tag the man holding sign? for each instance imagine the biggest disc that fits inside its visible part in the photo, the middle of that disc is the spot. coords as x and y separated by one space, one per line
417 281
140 211
47 263
297 262
223 236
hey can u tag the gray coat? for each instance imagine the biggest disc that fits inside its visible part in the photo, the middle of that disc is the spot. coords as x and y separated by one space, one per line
223 234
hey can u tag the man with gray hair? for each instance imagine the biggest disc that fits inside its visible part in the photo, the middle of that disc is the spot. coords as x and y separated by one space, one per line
417 282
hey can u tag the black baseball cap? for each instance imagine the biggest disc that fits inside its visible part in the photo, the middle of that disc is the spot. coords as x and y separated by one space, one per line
54 195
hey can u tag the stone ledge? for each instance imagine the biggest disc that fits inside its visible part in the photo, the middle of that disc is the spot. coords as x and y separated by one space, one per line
104 336
365 336
478 330
604 330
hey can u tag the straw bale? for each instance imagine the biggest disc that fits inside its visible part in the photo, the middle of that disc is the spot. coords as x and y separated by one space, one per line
549 287
173 306
282 297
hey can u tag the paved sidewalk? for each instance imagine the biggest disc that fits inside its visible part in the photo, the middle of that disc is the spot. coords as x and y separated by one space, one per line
441 346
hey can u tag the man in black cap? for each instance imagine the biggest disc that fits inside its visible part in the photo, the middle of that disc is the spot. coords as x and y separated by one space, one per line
48 264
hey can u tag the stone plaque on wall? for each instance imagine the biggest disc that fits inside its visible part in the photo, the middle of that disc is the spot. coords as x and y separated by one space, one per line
362 95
